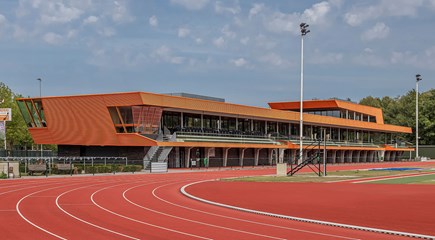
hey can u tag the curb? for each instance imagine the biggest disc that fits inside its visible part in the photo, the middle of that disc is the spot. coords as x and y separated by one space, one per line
354 227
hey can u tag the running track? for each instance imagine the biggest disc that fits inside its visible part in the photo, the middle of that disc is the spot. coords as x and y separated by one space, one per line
142 206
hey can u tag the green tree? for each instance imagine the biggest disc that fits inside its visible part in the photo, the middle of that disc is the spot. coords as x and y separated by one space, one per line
401 111
17 134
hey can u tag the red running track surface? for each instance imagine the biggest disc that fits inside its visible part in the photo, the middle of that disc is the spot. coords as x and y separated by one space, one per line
142 206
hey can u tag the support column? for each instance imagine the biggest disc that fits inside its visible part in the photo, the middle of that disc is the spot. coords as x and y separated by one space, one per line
342 156
357 156
350 159
387 156
241 156
333 156
187 157
225 156
364 157
257 156
280 155
270 155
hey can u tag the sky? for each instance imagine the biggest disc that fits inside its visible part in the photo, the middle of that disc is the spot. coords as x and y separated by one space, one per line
248 52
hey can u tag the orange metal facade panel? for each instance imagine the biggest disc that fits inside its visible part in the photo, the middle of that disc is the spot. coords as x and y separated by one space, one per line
41 135
84 120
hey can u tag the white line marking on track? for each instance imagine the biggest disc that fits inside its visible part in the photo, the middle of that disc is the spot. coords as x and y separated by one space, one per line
30 222
254 222
378 230
141 222
190 220
86 222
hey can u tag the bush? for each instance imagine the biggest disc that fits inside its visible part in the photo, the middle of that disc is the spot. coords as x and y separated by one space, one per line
3 175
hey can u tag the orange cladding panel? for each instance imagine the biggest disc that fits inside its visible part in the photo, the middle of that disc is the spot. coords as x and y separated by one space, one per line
85 120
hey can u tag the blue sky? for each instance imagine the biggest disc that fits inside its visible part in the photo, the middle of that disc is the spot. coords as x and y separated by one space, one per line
247 52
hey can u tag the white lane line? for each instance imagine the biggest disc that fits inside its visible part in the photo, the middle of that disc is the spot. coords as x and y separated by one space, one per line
377 230
141 222
253 222
84 221
390 178
17 207
190 220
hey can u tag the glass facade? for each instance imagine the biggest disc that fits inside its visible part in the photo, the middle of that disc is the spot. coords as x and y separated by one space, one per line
343 114
33 113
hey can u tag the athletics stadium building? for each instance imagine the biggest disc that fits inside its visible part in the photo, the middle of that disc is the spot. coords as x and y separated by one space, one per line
182 128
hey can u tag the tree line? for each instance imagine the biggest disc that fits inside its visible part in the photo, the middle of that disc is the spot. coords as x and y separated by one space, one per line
401 111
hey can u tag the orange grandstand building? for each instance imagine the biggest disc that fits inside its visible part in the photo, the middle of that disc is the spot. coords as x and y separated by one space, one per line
182 129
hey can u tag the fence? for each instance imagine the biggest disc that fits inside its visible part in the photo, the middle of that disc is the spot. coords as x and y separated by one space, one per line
27 153
74 165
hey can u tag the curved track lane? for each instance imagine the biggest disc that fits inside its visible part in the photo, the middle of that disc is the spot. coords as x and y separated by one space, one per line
141 206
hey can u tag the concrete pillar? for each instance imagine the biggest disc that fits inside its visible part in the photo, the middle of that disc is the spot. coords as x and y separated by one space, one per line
387 156
357 156
350 156
257 156
333 156
187 156
241 156
225 156
393 156
342 156
281 155
364 157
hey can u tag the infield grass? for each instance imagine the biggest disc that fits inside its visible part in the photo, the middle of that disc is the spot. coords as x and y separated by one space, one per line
334 176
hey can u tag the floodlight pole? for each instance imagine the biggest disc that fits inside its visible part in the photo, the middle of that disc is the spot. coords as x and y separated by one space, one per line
40 96
418 78
304 31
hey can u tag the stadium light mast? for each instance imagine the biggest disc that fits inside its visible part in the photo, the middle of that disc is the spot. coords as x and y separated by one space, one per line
40 96
418 79
304 31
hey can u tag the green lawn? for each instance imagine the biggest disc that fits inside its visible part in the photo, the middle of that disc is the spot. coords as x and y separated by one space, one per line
426 179
332 176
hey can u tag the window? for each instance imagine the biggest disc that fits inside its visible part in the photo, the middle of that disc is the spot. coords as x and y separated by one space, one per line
192 120
33 112
210 122
228 123
172 120
244 124
259 126
271 127
283 129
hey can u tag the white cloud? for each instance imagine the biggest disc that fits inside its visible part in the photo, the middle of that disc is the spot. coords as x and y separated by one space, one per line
240 62
220 8
2 19
244 40
385 8
107 32
57 12
325 58
227 32
275 60
317 13
52 38
191 4
369 58
219 42
379 31
153 21
257 8
120 13
198 40
90 20
164 54
183 32
264 42
279 22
